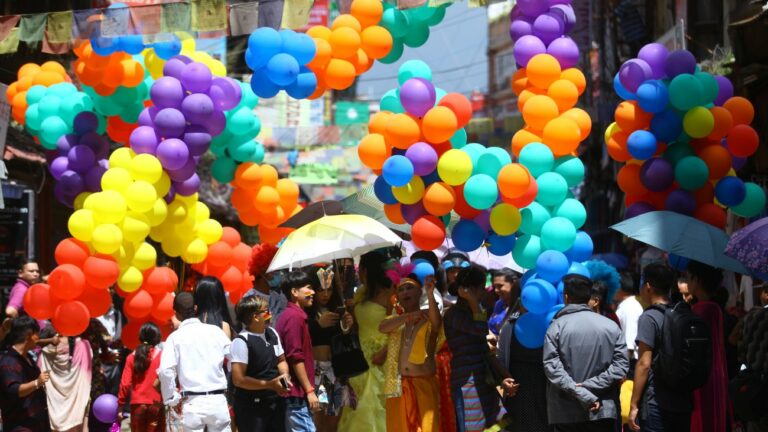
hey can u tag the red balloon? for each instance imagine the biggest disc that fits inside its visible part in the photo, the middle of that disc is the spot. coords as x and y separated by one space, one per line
232 279
524 199
130 334
37 301
231 236
162 309
241 254
71 318
711 214
219 253
460 105
67 282
428 232
160 280
96 300
71 251
235 296
138 305
628 179
743 141
461 207
101 271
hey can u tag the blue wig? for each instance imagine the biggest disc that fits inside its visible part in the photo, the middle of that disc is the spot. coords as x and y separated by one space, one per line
602 271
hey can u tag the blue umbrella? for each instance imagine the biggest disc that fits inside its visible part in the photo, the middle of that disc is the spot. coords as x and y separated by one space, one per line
681 235
749 246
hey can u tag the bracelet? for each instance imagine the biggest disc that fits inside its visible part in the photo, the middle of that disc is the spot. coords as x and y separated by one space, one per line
310 391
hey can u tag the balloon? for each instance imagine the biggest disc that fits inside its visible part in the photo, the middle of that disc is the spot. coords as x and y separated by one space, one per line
565 50
685 92
67 281
37 301
71 251
138 305
107 238
439 124
527 47
454 167
538 295
620 90
653 96
724 90
730 191
552 189
667 125
552 265
505 219
527 249
572 210
680 201
423 157
100 272
691 173
417 96
558 233
680 62
439 199
411 192
743 141
581 249
698 122
562 135
398 170
530 330
641 144
539 110
428 232
460 105
537 158
578 268
467 235
480 191
655 55
633 73
70 318
571 168
657 174
542 70
754 202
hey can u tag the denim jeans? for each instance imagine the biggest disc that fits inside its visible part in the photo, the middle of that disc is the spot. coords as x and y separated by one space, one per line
657 420
297 415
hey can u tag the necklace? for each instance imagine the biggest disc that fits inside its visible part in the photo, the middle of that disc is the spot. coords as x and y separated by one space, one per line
410 332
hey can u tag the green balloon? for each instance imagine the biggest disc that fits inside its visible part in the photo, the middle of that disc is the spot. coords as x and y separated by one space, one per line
527 249
754 202
538 158
242 152
396 52
421 13
571 168
533 217
417 35
691 173
685 92
394 20
223 169
413 69
459 139
102 127
481 191
552 189
709 87
438 16
391 102
573 210
558 234
125 95
87 102
677 151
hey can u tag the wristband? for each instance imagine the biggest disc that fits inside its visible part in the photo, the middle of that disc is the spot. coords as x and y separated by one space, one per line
310 391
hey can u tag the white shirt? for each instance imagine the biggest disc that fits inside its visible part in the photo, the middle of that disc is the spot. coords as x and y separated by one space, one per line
112 322
239 352
629 312
195 353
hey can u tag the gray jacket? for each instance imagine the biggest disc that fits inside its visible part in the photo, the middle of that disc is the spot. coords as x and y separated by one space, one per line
585 359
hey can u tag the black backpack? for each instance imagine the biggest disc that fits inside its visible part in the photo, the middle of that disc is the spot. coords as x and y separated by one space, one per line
684 355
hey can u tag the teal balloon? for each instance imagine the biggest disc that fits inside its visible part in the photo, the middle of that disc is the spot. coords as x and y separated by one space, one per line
62 89
557 234
691 173
459 139
248 98
413 69
437 16
474 150
222 140
754 202
685 92
421 13
35 93
131 113
51 130
499 153
394 21
417 36
439 93
125 95
677 151
49 105
32 118
571 168
481 191
102 127
219 151
552 189
391 102
573 210
538 158
709 87
258 154
533 218
223 169
527 249
69 108
395 53
241 121
242 152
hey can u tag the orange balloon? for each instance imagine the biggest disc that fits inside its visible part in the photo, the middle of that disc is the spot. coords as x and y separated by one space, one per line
522 138
37 301
345 42
377 124
27 69
617 147
542 70
319 32
711 214
562 135
360 61
527 94
539 110
268 175
402 131
322 54
630 117
582 119
741 109
242 198
162 307
628 179
138 305
113 73
525 199
273 218
219 253
346 21
67 281
266 199
392 212
11 91
718 159
564 93
339 74
742 140
461 207
376 41
132 72
96 300
514 180
272 236
86 74
232 279
159 280
460 105
367 12
55 67
575 76
428 232
319 90
241 254
71 251
519 81
71 318
46 78
373 151
231 236
24 83
248 175
104 90
439 124
249 217
723 123
439 199
101 272
289 194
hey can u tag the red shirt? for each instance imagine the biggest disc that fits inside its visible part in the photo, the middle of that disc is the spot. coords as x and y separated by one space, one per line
140 386
293 330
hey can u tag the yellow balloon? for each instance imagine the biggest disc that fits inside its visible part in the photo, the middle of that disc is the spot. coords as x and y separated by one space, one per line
172 246
130 280
109 206
505 219
454 167
121 158
140 196
124 255
610 130
135 227
187 200
116 179
185 229
80 199
209 231
156 233
410 193
202 212
163 185
154 64
195 252
107 238
177 211
187 42
145 256
146 167
81 224
157 214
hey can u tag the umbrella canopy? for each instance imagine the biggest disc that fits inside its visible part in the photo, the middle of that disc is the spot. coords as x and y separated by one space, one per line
749 246
480 256
332 237
681 235
313 212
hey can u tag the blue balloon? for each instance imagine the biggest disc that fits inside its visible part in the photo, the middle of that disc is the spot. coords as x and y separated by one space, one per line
131 44
552 265
581 249
530 330
383 191
641 144
430 178
553 311
530 274
730 191
397 170
560 292
422 269
304 86
467 235
262 86
538 296
653 96
667 126
263 44
282 69
621 91
578 268
104 46
501 245
298 45
167 49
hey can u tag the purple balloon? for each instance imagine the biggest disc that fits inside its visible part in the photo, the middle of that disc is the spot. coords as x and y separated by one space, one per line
519 27
412 212
526 48
548 27
423 157
58 167
144 140
196 108
681 201
655 54
533 8
175 66
147 116
417 96
184 172
738 162
170 123
172 153
637 209
84 122
633 73
66 142
657 174
93 178
188 186
196 77
725 90
97 143
71 183
215 123
198 139
105 408
225 93
167 92
565 50
63 196
483 220
170 195
81 158
565 11
680 62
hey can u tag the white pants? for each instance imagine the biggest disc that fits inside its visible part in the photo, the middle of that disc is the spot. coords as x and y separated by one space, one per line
210 410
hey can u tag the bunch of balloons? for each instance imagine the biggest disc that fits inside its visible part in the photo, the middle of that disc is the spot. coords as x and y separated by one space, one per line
237 144
408 27
187 111
228 261
134 44
184 44
682 135
29 75
279 62
540 27
52 110
105 73
81 160
121 108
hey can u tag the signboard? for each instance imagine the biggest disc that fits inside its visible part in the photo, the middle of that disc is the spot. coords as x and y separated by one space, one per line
318 15
314 174
16 230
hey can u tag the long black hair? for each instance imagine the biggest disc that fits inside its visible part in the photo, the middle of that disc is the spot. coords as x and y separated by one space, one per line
335 299
21 328
211 302
149 336
375 273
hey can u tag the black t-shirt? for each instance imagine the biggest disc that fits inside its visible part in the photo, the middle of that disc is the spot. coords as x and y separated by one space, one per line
649 332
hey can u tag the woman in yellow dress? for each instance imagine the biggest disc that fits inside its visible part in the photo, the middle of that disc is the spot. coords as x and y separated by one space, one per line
372 307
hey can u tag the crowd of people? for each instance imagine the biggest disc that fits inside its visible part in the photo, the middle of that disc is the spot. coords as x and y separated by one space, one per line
384 347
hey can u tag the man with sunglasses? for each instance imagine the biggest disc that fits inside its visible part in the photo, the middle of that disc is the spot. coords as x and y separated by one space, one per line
585 359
